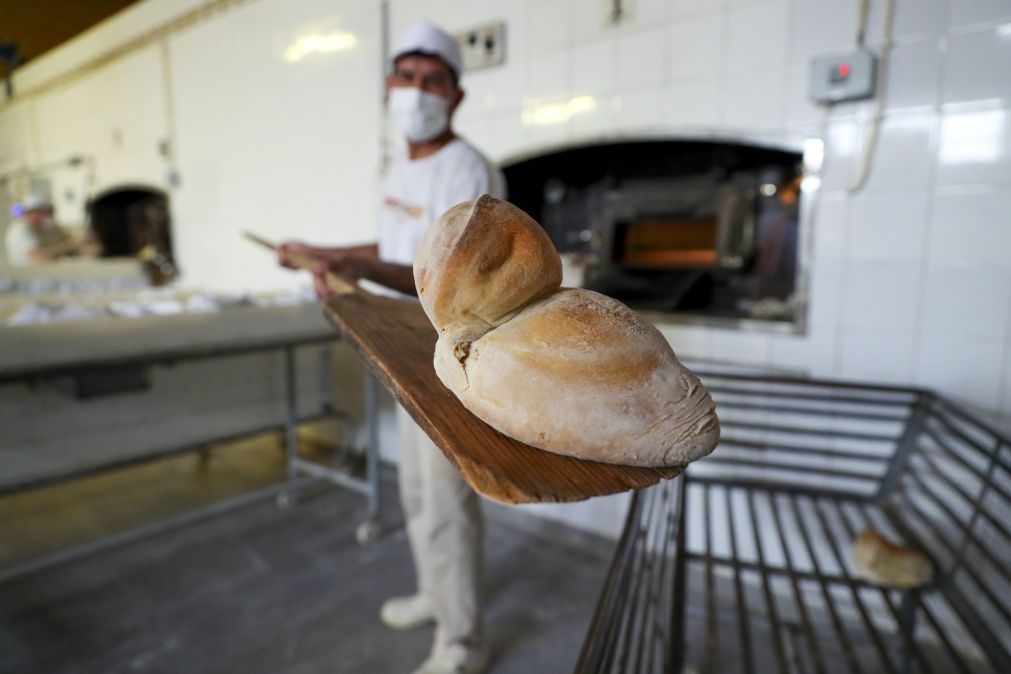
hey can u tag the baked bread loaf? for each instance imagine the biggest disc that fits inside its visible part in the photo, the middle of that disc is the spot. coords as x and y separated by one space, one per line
566 370
884 563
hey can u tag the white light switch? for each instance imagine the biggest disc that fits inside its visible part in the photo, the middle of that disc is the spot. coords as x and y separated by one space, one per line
483 46
843 77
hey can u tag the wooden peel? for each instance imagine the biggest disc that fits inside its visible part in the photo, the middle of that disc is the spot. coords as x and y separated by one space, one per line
339 285
397 342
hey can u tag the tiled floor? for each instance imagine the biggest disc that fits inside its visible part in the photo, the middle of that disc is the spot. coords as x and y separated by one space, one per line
261 589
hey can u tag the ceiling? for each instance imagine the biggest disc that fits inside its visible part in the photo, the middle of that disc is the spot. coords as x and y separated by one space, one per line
40 25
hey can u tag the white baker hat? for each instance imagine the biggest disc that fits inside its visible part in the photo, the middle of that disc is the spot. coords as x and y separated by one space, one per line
36 200
426 38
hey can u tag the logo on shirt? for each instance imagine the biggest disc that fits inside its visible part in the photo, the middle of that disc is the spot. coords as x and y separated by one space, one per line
412 211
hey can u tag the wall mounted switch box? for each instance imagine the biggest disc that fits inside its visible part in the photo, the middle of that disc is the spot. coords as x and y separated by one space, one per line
483 46
843 77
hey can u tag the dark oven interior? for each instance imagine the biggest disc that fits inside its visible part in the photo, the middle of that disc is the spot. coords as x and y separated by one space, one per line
699 227
132 221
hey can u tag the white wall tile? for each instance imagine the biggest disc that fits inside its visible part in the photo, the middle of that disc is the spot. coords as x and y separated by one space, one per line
974 145
800 108
825 305
903 154
548 76
688 341
757 34
971 224
696 46
649 12
914 20
813 353
319 159
844 143
547 27
694 103
913 76
645 109
881 296
887 225
966 368
508 136
1005 398
978 67
966 299
829 232
492 90
596 122
687 7
755 100
588 19
594 66
974 12
875 358
743 348
642 58
822 27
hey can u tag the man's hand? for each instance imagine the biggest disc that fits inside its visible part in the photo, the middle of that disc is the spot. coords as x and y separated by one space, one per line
351 267
289 251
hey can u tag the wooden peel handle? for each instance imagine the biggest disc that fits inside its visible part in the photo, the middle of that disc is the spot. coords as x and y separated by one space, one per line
339 285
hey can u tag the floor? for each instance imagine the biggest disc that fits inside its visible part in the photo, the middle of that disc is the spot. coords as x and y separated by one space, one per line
262 589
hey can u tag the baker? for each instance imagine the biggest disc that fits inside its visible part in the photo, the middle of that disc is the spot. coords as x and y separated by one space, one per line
439 170
36 237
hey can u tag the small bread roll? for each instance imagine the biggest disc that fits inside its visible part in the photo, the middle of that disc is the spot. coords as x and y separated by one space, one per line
882 562
566 370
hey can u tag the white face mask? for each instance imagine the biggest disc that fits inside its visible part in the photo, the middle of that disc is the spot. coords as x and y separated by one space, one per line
420 115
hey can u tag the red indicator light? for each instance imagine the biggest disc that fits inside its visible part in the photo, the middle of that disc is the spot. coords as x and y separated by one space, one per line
843 69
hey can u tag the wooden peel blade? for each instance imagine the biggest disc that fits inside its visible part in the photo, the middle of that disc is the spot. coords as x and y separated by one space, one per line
339 285
397 342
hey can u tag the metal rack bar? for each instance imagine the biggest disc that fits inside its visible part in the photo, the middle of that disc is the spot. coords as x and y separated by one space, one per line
772 465
657 634
742 613
957 550
711 631
777 629
805 619
851 586
642 565
593 647
793 430
823 585
936 471
733 441
801 409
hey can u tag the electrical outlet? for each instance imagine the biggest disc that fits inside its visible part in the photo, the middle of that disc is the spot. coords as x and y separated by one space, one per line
843 77
483 46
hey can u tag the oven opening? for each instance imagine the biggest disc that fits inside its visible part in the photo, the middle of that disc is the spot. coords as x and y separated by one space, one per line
666 242
134 221
703 229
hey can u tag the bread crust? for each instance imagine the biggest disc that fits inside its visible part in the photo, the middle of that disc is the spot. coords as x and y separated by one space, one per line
566 370
882 562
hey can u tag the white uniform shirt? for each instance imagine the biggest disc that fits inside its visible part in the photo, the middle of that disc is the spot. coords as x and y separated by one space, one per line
19 243
416 193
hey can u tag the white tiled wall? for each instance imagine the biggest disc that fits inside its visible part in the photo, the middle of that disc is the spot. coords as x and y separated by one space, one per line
287 150
910 278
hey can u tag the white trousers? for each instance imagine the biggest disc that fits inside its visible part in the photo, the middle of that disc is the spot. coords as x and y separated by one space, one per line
443 516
